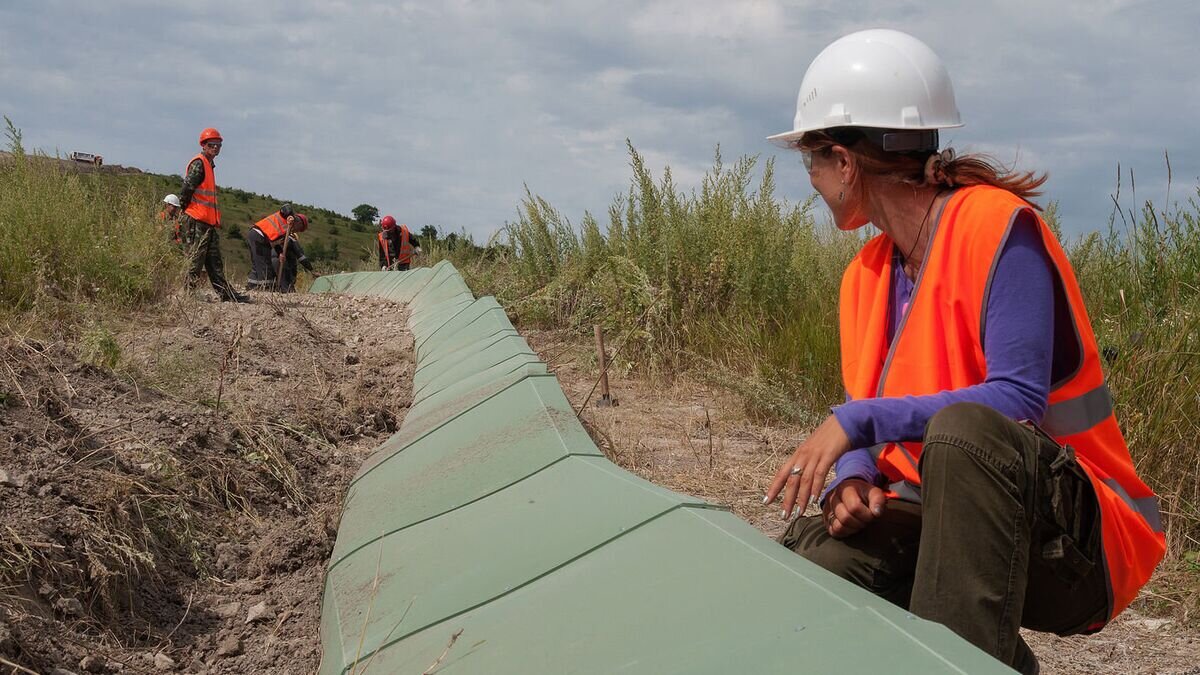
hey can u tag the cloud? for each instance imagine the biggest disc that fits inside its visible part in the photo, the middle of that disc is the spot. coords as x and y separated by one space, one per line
442 112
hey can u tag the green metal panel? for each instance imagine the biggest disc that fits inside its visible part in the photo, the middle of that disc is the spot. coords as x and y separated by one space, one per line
392 284
429 321
684 593
527 530
553 424
466 362
444 283
373 283
512 364
483 318
492 511
412 285
455 399
490 446
458 395
462 318
398 286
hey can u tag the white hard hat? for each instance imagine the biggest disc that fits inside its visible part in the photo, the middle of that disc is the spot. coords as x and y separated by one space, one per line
171 199
874 78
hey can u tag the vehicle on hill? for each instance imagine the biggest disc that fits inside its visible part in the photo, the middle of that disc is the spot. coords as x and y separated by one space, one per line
87 158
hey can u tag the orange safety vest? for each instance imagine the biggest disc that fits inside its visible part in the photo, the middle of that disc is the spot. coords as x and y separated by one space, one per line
273 226
405 254
203 206
387 250
939 347
162 215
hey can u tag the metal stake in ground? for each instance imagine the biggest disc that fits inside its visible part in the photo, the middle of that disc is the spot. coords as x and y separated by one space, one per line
606 401
624 340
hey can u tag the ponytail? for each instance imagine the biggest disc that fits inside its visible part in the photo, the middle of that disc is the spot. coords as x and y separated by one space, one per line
945 168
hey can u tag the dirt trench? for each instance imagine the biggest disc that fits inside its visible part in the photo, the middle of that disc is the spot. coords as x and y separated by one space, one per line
171 483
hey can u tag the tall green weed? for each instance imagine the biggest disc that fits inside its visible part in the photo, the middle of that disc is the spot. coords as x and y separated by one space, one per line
737 286
69 241
1141 283
727 278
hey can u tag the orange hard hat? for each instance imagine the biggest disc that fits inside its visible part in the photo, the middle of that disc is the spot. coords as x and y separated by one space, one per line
387 222
210 134
301 223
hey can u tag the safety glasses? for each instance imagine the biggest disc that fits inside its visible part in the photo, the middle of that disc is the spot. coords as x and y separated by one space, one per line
806 157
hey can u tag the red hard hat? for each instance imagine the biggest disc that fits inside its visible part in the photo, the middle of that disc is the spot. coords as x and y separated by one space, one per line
210 134
301 223
387 222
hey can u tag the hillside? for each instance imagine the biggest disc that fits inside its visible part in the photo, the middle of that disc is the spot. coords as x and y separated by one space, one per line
332 239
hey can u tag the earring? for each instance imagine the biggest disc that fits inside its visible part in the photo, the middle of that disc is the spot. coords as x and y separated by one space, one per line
842 194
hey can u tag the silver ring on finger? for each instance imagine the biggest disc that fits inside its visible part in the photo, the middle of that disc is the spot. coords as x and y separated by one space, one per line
797 470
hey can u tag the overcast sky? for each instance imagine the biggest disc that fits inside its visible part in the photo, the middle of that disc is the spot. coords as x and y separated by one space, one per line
439 112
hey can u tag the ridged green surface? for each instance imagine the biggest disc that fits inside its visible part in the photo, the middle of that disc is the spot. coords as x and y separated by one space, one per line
492 511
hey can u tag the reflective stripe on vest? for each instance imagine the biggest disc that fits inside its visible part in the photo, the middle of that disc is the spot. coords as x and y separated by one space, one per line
203 206
1078 414
1147 506
273 227
938 346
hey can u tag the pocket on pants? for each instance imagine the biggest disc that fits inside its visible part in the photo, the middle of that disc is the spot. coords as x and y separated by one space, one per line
1068 516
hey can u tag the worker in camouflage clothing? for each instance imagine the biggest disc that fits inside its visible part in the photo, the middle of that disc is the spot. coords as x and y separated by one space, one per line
292 263
201 218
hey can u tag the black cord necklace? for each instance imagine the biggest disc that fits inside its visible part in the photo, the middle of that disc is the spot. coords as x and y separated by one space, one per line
921 230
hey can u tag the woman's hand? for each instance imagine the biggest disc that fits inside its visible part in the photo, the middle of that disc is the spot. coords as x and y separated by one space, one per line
803 475
851 506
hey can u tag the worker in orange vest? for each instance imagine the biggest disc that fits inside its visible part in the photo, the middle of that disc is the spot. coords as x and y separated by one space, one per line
396 245
272 243
201 218
982 480
169 215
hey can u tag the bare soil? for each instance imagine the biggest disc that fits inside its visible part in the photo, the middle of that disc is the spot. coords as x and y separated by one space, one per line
694 438
171 483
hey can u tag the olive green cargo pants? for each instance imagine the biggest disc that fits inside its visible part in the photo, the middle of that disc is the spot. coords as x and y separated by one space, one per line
1007 535
202 242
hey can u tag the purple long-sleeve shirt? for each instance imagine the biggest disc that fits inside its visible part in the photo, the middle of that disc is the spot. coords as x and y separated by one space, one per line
1018 347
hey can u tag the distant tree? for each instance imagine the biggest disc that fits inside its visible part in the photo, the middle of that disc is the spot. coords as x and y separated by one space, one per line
316 250
429 234
233 233
333 252
365 213
451 240
334 230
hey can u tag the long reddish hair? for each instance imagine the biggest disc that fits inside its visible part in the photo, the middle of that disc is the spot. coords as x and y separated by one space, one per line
925 168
